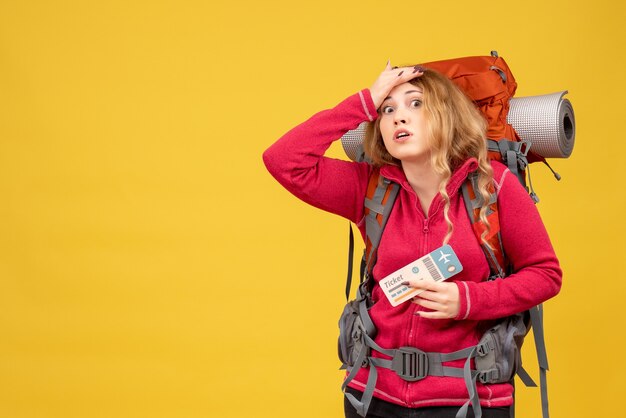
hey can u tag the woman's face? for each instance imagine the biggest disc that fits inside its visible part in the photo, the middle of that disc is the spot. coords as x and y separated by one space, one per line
404 125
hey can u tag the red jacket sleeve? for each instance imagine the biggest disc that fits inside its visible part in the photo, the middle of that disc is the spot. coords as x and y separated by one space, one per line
536 273
297 159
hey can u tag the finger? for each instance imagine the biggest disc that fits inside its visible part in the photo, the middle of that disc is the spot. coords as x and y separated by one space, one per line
424 284
429 304
430 295
388 66
433 315
412 72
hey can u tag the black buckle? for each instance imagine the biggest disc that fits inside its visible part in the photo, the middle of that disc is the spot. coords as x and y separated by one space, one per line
484 348
489 376
410 363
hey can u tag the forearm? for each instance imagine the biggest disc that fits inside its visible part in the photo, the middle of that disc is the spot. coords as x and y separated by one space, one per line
297 159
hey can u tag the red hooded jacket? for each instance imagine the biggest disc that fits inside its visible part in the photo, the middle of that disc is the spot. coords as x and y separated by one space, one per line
297 161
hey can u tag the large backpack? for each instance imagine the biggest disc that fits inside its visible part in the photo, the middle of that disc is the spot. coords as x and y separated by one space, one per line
489 82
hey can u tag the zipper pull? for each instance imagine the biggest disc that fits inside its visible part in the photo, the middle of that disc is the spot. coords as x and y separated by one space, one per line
425 226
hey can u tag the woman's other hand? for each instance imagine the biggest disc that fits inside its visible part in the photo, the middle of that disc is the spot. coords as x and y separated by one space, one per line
441 298
391 77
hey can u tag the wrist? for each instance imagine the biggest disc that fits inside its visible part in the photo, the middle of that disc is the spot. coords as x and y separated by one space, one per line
464 301
369 104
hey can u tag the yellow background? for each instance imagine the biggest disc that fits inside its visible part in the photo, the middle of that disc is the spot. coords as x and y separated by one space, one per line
149 265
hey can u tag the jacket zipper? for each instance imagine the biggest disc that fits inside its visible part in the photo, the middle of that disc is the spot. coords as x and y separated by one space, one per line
425 230
415 319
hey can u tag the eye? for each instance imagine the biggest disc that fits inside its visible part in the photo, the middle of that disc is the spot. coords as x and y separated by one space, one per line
386 110
416 103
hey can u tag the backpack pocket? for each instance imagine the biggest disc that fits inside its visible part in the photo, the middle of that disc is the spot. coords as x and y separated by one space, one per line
351 335
498 357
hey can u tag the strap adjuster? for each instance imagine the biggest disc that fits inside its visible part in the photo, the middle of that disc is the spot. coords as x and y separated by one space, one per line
410 363
484 348
489 376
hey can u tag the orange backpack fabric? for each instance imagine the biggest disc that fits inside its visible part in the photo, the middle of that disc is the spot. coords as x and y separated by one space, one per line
490 84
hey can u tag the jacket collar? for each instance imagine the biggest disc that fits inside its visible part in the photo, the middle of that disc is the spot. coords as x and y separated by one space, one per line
396 174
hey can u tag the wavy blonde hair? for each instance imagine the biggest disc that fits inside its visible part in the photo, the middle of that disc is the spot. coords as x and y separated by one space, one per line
456 132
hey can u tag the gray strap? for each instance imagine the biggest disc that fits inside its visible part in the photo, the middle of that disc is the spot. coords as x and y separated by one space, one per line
468 201
369 390
492 145
479 201
390 200
434 369
536 318
363 405
439 370
525 377
533 195
355 368
350 261
511 162
470 205
370 328
512 407
544 392
513 156
499 272
501 73
462 412
374 206
371 343
493 198
470 376
435 360
456 355
373 230
379 362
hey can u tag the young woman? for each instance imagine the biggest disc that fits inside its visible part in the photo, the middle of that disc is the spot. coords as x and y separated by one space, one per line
427 136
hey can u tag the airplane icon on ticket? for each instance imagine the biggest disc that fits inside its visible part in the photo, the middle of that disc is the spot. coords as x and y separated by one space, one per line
444 257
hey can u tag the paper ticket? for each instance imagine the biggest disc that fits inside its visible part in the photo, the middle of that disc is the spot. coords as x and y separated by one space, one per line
439 265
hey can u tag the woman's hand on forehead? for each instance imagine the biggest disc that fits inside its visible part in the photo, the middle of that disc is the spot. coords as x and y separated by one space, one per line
391 77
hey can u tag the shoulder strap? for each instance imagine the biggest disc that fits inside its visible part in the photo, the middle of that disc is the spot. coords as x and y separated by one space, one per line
494 251
492 244
381 195
379 199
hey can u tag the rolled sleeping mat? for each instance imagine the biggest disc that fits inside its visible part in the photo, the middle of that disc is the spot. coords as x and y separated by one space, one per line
546 121
352 142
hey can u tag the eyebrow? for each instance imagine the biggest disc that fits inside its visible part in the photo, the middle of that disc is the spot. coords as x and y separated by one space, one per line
406 92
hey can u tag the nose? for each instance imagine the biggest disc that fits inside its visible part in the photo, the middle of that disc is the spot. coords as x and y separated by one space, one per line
400 117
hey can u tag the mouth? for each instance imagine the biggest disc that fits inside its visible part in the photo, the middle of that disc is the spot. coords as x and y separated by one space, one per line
401 135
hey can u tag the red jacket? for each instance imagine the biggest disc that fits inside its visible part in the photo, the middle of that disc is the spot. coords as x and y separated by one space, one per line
297 161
